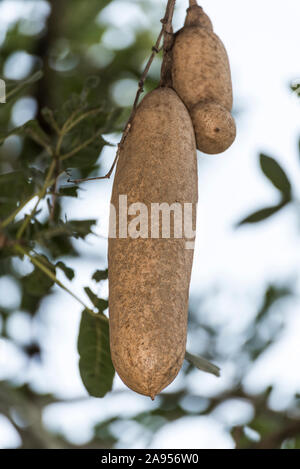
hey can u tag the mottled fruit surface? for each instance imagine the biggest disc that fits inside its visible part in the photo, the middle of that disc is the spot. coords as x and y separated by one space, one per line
202 79
201 69
214 127
149 277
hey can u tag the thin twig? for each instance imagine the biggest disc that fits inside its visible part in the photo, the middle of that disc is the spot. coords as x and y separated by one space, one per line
166 68
51 120
165 30
109 173
52 276
169 16
54 191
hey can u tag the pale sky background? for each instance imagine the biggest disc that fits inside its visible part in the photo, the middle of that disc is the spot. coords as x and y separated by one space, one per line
262 40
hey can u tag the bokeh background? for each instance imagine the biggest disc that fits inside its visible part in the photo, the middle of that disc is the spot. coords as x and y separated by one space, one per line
244 297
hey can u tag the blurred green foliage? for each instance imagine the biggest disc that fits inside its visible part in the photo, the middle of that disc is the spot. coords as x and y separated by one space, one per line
71 80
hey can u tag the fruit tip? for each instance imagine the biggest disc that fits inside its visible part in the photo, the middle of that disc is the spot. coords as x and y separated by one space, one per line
197 17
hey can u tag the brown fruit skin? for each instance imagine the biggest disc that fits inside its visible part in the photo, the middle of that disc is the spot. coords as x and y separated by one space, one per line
149 278
214 127
196 17
201 74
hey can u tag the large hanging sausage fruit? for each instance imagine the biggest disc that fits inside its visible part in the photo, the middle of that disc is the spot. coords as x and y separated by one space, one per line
149 275
202 79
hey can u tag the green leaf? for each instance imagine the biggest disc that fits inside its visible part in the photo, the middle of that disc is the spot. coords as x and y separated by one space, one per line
95 365
69 191
59 246
81 228
261 215
16 187
87 157
274 172
57 238
69 273
295 87
202 364
103 431
72 228
98 302
37 283
100 275
272 294
14 184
